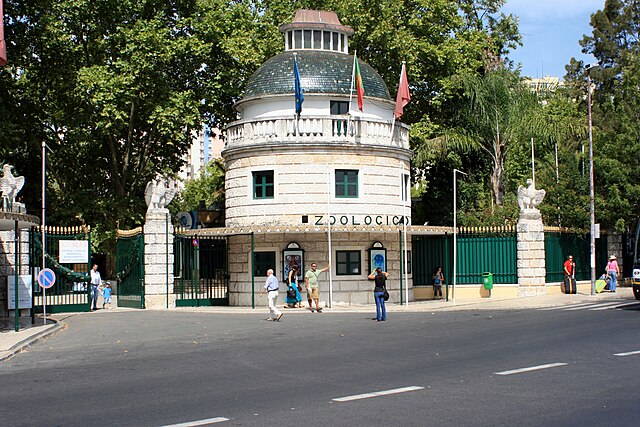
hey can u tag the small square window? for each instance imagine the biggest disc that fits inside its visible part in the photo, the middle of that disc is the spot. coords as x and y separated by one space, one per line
263 261
338 107
263 185
348 263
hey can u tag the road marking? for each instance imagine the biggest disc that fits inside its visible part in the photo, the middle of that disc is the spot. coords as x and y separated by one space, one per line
614 305
630 353
531 368
586 307
376 394
200 422
563 307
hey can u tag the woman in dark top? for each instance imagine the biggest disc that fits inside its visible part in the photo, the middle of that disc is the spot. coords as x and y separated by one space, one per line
380 278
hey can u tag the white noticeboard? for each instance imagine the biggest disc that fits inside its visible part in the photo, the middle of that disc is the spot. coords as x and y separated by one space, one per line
24 292
73 251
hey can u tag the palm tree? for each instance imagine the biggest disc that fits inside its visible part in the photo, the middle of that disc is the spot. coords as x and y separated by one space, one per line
496 111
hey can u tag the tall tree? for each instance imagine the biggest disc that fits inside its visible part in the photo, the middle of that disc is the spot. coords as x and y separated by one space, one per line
615 42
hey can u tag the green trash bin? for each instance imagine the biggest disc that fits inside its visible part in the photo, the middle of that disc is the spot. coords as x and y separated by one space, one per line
487 280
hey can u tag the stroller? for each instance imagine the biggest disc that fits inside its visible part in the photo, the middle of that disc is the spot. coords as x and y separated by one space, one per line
602 283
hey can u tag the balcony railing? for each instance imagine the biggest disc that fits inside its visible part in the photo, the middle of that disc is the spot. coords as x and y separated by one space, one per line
332 129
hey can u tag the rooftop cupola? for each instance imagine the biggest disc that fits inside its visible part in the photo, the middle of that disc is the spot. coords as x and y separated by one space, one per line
316 30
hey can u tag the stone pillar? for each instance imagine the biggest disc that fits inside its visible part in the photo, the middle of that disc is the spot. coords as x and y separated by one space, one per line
614 247
531 255
158 267
8 265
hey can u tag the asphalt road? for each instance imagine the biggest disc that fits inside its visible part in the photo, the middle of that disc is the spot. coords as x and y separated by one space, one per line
146 368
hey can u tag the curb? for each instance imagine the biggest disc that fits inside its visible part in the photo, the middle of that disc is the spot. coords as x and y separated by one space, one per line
21 345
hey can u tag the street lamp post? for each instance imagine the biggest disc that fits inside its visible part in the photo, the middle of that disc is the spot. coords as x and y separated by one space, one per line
455 232
592 210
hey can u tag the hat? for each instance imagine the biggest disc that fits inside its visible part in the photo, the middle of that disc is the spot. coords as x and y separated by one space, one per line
612 257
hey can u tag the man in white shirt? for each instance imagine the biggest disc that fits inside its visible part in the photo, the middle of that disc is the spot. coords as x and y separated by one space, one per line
96 281
271 285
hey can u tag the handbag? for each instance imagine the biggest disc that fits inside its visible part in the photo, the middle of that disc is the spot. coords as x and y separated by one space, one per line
386 295
291 293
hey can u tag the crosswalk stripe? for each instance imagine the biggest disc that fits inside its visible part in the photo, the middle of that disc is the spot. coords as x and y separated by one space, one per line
586 307
608 306
563 307
627 304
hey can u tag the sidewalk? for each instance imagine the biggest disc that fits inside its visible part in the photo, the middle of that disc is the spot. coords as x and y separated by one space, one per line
12 342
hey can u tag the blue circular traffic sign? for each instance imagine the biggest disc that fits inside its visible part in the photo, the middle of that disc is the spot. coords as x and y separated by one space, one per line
46 278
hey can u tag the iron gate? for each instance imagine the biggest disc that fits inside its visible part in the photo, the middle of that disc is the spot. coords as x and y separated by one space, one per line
200 271
70 292
130 267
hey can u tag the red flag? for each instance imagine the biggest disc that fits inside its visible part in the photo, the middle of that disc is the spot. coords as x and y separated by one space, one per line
404 96
3 46
359 86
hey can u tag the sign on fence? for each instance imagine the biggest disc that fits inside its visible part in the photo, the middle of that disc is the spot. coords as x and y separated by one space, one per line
73 251
24 292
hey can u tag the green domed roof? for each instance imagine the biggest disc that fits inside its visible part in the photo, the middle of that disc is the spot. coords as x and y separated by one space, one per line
320 72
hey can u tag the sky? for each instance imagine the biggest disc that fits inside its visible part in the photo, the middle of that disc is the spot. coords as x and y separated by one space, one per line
550 32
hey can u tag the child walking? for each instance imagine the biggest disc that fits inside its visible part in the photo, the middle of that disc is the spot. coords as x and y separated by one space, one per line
106 294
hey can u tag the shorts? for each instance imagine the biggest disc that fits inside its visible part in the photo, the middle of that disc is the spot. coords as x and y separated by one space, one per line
107 300
313 293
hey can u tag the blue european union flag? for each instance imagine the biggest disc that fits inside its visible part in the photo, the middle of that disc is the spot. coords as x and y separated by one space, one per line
299 91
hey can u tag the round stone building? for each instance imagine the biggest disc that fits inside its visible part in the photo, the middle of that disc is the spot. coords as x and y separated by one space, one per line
330 185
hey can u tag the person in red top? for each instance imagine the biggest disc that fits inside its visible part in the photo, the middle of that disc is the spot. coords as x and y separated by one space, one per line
569 266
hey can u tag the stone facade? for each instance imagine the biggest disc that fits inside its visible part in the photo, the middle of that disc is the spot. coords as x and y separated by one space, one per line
352 289
531 254
8 265
158 274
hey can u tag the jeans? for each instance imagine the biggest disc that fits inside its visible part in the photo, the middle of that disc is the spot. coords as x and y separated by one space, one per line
612 283
94 295
381 310
273 310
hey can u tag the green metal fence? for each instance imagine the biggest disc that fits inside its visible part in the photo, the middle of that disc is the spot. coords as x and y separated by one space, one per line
482 250
130 268
493 251
200 271
559 245
428 253
70 292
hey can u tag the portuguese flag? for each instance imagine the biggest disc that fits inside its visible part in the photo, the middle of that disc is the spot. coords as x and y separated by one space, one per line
359 86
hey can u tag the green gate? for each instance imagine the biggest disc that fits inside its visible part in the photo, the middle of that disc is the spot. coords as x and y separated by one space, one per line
487 249
200 270
70 292
559 244
130 268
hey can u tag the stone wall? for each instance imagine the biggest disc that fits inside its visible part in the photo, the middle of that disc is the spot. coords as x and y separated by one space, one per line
346 289
8 265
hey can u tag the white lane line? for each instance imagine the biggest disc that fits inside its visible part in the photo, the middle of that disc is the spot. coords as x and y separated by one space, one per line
200 422
612 305
531 368
563 307
629 353
624 305
376 394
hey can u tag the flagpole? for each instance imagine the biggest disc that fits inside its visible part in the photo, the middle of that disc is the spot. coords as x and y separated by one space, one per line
329 234
353 78
405 188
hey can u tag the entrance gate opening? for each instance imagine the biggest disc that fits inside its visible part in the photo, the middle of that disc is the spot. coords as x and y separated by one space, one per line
200 271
